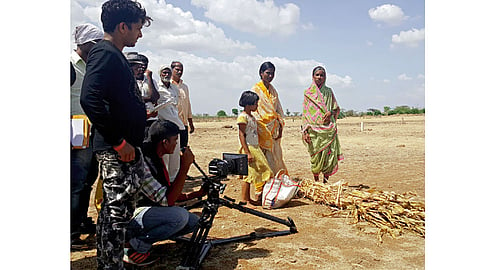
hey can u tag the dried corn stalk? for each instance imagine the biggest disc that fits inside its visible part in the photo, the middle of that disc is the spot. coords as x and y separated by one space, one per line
390 212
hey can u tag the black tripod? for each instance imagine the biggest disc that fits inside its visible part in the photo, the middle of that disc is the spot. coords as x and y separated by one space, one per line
199 245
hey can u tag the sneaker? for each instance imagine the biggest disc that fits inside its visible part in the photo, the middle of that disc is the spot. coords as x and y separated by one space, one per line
141 259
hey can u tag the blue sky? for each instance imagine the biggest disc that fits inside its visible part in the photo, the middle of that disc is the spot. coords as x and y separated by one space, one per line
373 51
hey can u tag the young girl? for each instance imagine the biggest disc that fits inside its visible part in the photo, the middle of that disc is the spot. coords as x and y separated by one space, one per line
258 170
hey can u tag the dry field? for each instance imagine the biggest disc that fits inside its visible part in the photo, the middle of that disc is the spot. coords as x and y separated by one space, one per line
388 155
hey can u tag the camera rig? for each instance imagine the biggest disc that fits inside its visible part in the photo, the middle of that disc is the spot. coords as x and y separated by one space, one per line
198 245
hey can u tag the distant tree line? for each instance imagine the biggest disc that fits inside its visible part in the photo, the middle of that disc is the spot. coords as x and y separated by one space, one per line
343 113
386 111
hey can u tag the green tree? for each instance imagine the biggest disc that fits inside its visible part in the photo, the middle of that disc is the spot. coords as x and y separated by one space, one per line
373 112
386 110
287 112
401 110
350 113
415 111
221 113
235 111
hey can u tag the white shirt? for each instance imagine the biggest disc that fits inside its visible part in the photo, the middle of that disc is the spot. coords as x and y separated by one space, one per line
167 104
251 129
76 89
143 86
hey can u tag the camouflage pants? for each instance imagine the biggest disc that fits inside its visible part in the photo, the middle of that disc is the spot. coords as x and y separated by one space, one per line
121 182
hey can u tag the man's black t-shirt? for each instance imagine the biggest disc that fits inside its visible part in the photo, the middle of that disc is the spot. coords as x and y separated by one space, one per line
111 99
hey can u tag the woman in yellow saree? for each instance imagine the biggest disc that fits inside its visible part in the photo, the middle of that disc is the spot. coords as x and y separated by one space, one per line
319 126
269 117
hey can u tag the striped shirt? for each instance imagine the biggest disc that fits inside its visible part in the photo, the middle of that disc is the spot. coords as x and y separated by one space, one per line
153 189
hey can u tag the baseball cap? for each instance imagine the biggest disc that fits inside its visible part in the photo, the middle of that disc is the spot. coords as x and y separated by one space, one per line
133 58
143 58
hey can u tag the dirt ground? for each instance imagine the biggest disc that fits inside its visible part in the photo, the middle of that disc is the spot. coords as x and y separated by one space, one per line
388 154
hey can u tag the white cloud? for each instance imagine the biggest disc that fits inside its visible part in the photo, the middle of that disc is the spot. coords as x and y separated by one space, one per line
369 43
386 80
308 26
410 38
81 13
404 77
263 17
388 14
421 76
172 28
339 82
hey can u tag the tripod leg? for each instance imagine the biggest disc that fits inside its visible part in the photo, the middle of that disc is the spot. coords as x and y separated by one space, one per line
239 207
198 246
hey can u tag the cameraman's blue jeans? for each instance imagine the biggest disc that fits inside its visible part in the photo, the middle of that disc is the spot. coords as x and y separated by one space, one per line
158 223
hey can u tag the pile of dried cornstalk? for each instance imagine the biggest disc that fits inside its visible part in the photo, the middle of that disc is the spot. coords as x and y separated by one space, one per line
391 213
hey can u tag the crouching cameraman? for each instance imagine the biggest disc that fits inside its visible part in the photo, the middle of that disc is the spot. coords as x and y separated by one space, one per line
156 218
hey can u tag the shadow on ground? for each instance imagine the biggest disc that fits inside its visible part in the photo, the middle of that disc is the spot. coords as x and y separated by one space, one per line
224 256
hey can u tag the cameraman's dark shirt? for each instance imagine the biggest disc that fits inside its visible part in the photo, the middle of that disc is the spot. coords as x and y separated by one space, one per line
111 99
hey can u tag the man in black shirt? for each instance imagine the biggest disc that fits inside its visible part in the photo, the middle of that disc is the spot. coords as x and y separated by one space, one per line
112 101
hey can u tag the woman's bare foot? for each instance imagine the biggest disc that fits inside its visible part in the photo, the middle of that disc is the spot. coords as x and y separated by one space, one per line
258 199
256 203
246 204
325 179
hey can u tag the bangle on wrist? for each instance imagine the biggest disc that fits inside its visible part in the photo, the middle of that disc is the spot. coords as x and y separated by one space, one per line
120 146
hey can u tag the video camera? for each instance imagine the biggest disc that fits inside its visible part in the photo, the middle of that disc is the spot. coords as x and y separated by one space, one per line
229 164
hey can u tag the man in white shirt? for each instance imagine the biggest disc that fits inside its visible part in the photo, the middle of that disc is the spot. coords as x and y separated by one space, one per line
167 110
83 166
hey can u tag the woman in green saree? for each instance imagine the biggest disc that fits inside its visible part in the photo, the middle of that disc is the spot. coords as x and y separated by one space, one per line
319 126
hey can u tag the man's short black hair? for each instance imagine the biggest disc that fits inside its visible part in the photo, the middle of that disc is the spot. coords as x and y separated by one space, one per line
174 63
158 131
116 11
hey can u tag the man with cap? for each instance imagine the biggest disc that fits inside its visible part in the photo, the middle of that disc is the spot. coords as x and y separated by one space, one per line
146 84
167 110
83 166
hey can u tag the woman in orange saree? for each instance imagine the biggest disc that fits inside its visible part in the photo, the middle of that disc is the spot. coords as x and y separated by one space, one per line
319 126
269 117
